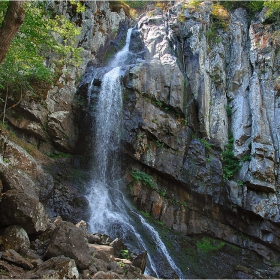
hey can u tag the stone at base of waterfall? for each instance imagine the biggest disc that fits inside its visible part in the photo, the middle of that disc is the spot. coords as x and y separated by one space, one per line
15 237
148 277
93 239
20 208
102 239
118 246
12 271
70 241
36 259
106 275
83 226
139 260
102 252
55 268
133 272
13 257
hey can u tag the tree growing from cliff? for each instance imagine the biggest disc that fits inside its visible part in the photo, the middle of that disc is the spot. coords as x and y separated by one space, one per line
273 9
42 39
11 23
44 42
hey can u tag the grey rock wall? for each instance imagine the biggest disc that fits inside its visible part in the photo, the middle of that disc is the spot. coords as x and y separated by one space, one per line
183 94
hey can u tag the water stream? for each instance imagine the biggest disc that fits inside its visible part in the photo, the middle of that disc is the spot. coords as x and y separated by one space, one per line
111 212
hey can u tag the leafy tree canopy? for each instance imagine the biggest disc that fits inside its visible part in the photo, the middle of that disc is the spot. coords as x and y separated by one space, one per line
43 43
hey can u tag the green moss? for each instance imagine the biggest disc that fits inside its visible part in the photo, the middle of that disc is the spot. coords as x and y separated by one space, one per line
143 177
231 164
206 144
208 245
125 254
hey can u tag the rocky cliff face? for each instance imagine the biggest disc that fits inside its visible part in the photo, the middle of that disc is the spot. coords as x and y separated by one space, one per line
200 85
193 91
42 149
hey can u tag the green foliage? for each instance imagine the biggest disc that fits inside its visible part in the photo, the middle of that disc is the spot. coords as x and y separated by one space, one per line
231 164
145 214
274 262
159 143
159 222
181 17
161 193
205 144
207 246
159 103
273 10
135 4
220 16
252 7
43 43
229 111
246 158
121 264
192 4
3 8
79 6
143 177
125 254
239 183
210 33
3 271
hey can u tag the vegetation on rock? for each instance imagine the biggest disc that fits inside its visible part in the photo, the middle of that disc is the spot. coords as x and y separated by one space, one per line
42 44
143 177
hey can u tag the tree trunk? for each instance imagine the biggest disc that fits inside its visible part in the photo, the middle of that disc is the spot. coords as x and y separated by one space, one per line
14 18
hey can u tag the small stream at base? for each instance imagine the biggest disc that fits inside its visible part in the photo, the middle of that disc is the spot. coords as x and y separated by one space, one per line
111 213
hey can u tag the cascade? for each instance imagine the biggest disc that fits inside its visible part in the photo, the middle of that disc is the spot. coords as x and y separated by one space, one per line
111 213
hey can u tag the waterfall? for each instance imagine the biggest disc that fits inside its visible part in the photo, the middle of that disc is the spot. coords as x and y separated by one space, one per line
111 213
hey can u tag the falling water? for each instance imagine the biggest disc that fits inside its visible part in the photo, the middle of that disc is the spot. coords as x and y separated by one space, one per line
111 213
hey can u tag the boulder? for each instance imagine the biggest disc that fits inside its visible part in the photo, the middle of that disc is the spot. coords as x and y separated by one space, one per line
67 202
16 179
94 238
62 130
19 158
27 126
83 226
118 246
99 265
18 207
70 241
102 252
12 256
10 270
133 272
16 238
35 259
140 261
106 275
98 238
55 268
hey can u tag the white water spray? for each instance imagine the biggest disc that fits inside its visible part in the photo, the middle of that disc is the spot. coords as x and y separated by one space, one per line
110 212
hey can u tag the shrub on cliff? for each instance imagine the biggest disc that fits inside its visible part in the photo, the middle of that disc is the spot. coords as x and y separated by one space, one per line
43 43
